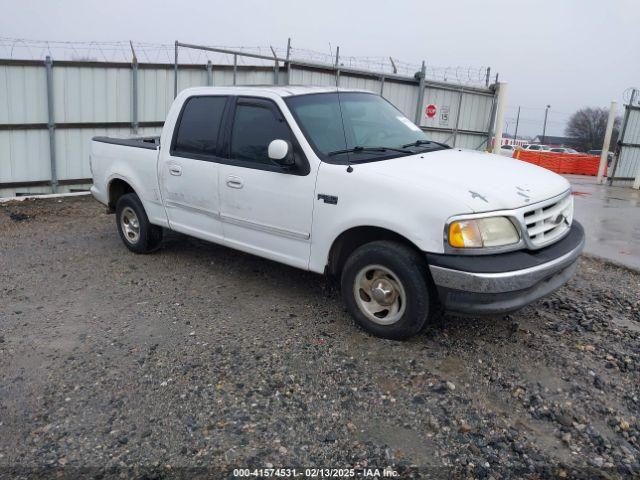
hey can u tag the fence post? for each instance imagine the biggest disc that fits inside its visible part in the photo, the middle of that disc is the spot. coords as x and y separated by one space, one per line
288 62
604 155
455 130
51 125
382 85
393 65
423 73
235 68
175 71
337 67
276 67
499 123
209 73
134 91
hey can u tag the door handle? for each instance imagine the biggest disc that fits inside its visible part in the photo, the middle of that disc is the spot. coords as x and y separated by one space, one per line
175 170
234 182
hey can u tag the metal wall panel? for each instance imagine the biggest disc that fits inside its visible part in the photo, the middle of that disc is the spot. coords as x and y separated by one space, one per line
254 77
90 92
23 94
627 164
629 161
155 90
84 94
472 142
311 77
475 111
360 83
24 155
403 95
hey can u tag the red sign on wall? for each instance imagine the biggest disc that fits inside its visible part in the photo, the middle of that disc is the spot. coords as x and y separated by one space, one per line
431 110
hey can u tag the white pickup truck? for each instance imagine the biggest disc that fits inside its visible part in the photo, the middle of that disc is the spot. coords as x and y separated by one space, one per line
340 182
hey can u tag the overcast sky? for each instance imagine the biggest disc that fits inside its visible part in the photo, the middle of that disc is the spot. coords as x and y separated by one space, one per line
566 53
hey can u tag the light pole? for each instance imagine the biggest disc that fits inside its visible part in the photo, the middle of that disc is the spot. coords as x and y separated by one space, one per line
544 127
515 135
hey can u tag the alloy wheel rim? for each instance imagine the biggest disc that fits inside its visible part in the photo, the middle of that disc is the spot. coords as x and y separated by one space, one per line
130 225
379 294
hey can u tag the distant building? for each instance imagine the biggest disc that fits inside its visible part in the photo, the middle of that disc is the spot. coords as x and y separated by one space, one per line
507 139
554 141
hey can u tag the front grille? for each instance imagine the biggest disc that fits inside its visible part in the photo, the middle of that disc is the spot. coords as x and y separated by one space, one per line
546 224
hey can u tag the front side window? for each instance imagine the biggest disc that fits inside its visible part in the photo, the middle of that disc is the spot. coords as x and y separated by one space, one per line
198 127
334 122
255 126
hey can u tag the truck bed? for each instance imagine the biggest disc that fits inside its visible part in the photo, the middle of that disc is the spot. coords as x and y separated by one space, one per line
151 143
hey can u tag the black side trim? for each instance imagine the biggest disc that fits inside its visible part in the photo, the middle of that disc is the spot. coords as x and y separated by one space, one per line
506 262
151 143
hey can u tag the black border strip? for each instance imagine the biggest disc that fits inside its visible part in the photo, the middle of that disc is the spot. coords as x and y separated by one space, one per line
46 183
77 125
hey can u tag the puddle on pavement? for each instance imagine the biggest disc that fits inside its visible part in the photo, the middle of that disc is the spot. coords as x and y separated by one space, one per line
404 442
626 323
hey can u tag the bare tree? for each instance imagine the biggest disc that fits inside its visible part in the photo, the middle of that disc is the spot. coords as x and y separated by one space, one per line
588 126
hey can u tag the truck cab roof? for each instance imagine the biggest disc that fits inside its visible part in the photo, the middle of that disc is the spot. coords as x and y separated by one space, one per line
266 90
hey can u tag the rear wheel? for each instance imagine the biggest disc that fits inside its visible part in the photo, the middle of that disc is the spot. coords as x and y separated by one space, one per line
385 287
135 230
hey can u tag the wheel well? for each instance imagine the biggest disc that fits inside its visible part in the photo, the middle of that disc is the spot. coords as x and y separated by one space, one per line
355 237
118 188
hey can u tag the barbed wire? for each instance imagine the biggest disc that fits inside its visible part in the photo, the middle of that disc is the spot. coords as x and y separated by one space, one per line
121 51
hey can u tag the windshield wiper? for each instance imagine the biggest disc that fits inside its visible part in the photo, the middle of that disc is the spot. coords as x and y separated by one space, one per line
417 143
359 149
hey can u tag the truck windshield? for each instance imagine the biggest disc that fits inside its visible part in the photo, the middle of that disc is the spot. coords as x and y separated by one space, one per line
362 125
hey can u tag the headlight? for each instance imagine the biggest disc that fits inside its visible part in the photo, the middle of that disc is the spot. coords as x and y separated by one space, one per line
482 232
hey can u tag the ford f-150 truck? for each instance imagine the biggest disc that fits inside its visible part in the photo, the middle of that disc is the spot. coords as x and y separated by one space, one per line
340 182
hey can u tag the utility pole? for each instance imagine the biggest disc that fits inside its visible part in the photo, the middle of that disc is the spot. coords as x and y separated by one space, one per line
515 135
544 127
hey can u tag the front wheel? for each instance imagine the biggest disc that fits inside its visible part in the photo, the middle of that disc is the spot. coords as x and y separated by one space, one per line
385 287
136 232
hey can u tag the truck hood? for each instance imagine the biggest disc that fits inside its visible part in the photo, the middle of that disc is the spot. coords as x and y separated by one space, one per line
482 181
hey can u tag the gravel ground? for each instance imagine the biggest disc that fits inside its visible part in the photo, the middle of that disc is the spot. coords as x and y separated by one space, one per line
198 359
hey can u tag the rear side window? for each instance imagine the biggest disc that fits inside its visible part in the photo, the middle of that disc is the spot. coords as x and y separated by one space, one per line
199 125
254 127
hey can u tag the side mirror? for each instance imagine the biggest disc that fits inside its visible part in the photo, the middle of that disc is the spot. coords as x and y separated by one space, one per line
280 152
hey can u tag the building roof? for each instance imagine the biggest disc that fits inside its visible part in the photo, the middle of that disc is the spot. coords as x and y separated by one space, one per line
555 140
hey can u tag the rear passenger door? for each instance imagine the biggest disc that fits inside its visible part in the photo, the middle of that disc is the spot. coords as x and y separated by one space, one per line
265 209
188 170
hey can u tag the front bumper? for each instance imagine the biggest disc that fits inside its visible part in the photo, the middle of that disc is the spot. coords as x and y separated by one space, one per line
502 283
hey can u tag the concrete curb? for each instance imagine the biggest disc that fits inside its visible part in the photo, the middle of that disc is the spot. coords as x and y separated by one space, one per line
50 195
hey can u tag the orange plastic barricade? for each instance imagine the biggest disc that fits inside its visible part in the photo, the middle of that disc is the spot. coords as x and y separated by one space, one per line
561 162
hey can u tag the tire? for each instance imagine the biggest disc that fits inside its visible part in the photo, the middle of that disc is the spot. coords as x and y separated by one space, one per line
386 288
137 234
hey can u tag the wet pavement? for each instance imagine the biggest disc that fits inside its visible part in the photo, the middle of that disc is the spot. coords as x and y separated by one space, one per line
611 219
